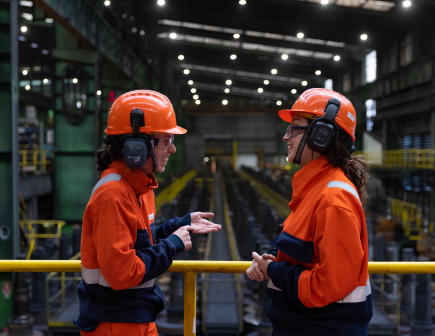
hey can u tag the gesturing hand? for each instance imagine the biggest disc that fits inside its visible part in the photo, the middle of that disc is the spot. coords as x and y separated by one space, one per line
201 225
183 234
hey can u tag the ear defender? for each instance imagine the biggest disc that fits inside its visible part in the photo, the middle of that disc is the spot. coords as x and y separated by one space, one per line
136 148
324 130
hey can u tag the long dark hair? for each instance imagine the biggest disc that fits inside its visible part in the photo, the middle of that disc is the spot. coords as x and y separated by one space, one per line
355 167
107 154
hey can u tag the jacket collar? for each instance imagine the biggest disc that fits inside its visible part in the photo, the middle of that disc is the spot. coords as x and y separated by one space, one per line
138 180
307 177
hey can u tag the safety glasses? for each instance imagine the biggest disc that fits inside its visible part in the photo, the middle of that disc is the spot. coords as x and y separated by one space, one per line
163 142
294 131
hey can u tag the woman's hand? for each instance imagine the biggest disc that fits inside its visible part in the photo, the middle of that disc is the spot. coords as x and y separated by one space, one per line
258 269
183 234
201 225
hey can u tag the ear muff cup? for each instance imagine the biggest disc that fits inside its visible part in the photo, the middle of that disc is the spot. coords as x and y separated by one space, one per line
322 136
135 152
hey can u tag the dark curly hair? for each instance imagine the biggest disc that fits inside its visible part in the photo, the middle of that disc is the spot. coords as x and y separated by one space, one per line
355 167
107 154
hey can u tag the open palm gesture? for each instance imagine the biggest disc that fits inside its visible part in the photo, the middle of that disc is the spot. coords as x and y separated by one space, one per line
201 225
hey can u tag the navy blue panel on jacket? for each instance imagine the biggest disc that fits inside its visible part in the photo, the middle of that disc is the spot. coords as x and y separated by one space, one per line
294 247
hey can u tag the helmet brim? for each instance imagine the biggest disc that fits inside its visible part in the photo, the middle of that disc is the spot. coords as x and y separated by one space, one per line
175 130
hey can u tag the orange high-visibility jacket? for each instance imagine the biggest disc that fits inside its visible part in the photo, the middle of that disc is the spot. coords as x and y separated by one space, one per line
322 261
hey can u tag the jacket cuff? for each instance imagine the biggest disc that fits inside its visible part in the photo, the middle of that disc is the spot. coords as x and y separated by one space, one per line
186 220
270 269
178 243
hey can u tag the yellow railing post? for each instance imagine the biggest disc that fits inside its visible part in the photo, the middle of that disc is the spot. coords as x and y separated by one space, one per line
189 303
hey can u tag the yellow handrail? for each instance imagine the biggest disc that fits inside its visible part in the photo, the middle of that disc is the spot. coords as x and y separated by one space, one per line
32 158
191 268
409 215
401 158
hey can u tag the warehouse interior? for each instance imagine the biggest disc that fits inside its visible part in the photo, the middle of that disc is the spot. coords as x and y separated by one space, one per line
228 67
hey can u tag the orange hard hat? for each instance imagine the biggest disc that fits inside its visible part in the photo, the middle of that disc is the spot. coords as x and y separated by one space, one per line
314 101
158 113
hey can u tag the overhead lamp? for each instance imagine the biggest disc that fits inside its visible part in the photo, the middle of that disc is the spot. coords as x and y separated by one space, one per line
279 102
318 72
190 82
284 56
242 2
186 71
107 3
173 35
193 90
197 102
132 18
336 58
195 97
45 81
266 82
233 56
304 83
124 16
206 159
294 91
49 20
45 52
181 57
142 32
34 45
134 30
274 71
161 2
407 3
75 80
260 90
224 102
300 35
99 93
236 36
25 72
227 90
363 37
23 29
27 87
228 82
324 2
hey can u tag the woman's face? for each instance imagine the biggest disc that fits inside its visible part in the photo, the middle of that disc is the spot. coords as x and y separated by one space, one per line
162 151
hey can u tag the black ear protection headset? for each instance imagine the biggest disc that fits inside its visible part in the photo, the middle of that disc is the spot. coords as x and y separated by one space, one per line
136 149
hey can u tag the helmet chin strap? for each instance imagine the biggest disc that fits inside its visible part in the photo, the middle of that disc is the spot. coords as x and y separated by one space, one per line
153 156
301 146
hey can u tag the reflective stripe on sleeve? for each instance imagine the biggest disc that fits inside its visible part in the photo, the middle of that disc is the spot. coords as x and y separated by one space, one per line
105 179
345 186
94 276
359 294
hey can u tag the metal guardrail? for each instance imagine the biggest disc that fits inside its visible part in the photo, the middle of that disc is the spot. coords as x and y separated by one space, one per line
191 268
401 158
168 194
34 160
278 201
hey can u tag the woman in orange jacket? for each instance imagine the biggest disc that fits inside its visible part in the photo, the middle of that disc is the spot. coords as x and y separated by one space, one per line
318 273
122 250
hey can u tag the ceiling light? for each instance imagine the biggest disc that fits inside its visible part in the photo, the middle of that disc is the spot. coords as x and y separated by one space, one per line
233 57
190 82
34 45
49 20
284 56
45 81
336 58
224 102
324 2
279 102
75 80
195 97
25 72
363 37
274 71
27 87
266 82
242 2
132 18
45 52
197 102
186 71
27 16
23 29
99 93
173 35
304 83
236 36
206 159
228 82
161 2
318 72
124 16
260 90
407 3
142 32
107 3
181 57
26 3
193 90
227 90
294 91
300 35
134 30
